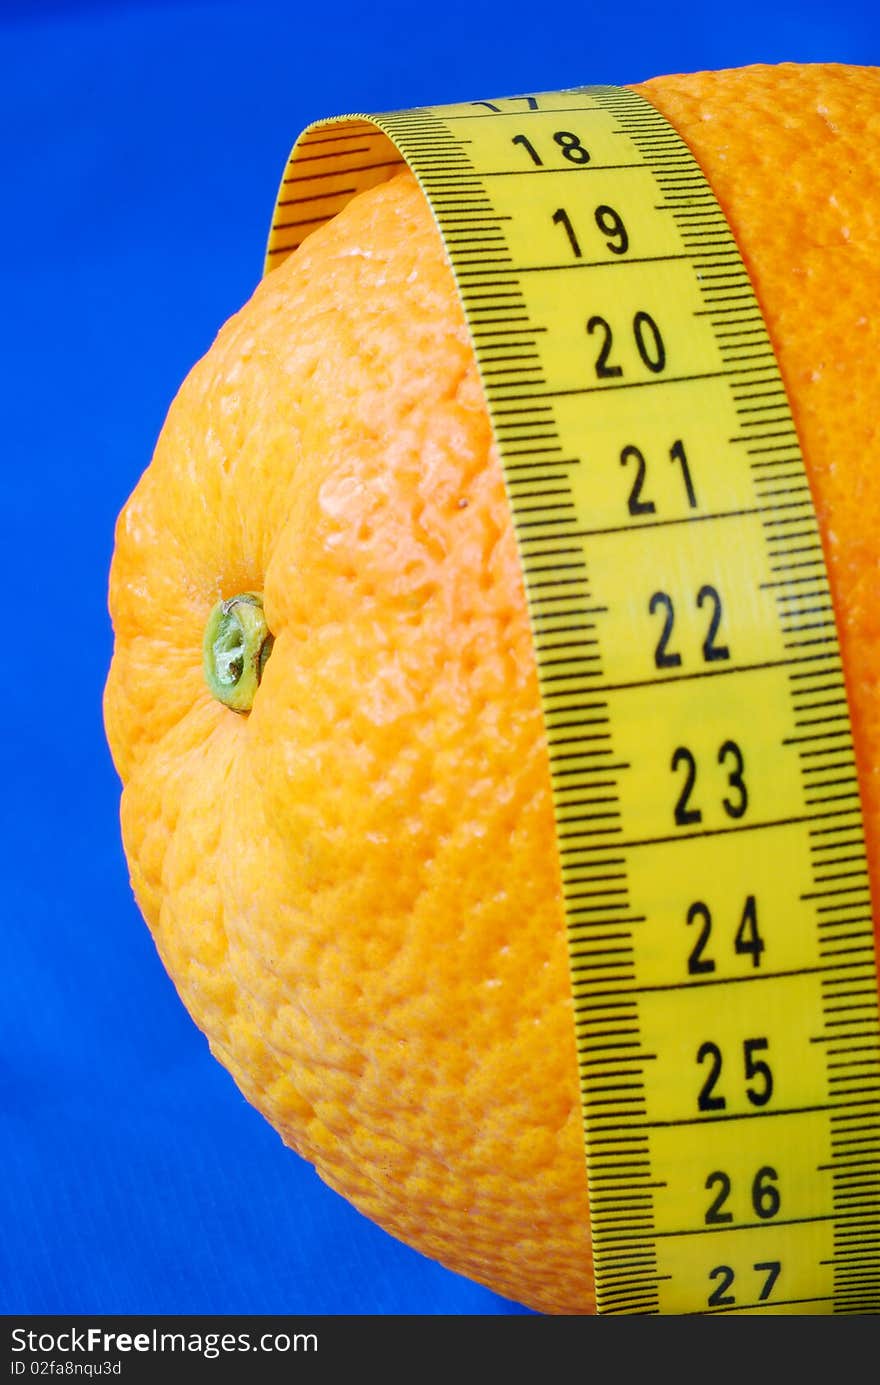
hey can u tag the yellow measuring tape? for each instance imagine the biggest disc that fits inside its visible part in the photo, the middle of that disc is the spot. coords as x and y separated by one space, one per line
707 805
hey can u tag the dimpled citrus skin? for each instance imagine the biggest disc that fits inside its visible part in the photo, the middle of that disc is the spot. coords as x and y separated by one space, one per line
355 887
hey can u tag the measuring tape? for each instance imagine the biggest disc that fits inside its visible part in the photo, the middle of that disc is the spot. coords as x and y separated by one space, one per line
708 818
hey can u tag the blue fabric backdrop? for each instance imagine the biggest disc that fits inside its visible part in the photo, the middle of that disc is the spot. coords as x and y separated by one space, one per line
135 1178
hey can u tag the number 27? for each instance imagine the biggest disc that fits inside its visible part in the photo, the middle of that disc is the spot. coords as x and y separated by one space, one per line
720 1298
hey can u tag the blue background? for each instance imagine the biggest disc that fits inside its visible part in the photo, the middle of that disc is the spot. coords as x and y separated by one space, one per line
134 1178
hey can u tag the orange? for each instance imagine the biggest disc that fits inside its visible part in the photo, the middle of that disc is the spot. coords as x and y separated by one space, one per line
355 885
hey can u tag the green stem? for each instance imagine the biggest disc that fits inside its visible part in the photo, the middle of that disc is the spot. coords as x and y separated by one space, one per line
236 646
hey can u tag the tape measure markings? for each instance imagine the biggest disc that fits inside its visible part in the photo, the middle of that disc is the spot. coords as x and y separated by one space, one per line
600 719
